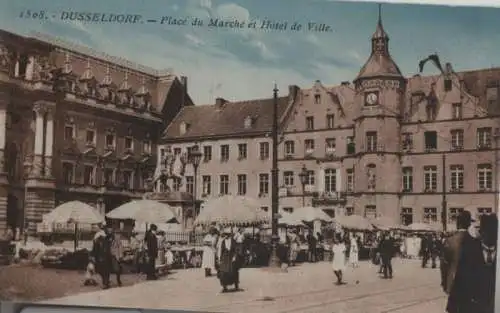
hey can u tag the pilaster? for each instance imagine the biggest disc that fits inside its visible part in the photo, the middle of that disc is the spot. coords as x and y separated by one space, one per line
39 201
49 143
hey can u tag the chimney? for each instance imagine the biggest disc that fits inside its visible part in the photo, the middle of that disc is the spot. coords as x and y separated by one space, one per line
293 91
345 83
219 102
184 82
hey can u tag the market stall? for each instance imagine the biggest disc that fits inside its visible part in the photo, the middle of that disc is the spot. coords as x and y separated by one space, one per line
358 224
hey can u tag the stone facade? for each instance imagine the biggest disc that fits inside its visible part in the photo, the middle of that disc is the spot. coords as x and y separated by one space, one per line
372 147
76 125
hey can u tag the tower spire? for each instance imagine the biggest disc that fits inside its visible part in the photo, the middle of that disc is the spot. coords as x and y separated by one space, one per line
380 13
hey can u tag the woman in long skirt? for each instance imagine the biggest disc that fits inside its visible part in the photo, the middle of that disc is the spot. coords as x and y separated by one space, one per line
209 250
354 252
339 258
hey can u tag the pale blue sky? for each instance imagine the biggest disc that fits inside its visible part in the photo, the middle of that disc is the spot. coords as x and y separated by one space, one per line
239 65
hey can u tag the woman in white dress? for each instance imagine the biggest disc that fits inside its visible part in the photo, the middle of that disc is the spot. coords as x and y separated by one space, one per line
339 258
354 252
209 248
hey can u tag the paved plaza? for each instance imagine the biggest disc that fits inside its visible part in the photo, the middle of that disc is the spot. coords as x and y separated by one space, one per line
307 288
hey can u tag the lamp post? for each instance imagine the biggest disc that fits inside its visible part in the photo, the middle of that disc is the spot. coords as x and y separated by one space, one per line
303 175
195 159
274 262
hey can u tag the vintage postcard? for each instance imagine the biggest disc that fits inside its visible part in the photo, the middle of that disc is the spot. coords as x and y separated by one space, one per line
241 156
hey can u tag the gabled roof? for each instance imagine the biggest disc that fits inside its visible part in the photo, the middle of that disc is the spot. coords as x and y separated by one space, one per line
225 119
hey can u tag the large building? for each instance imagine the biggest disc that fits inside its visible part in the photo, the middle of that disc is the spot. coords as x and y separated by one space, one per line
383 145
76 125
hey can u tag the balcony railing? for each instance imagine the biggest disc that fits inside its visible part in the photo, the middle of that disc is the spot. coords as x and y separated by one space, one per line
327 198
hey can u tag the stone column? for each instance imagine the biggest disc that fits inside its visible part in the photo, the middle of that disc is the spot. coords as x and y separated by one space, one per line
3 176
38 152
49 142
321 180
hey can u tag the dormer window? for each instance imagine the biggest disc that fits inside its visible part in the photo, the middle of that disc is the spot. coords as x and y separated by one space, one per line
129 143
146 146
317 98
492 96
110 141
184 128
248 122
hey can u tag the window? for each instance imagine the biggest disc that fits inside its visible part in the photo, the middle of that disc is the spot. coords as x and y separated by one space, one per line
492 96
263 184
370 211
68 170
317 98
309 146
224 185
430 138
289 147
69 132
351 146
407 141
430 178
224 153
371 141
430 112
207 153
190 185
454 212
456 111
162 153
330 145
371 177
128 182
330 121
330 180
242 151
288 179
264 208
90 137
129 142
484 177
310 178
407 179
457 177
484 138
288 210
416 98
406 216
177 151
146 147
349 211
483 211
430 215
207 185
309 122
350 180
264 150
176 185
88 175
457 139
109 176
242 184
110 141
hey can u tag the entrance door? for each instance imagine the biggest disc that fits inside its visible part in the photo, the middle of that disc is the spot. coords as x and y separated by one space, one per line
12 212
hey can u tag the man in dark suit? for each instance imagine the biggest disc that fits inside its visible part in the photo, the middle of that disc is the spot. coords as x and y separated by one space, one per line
152 251
452 251
387 248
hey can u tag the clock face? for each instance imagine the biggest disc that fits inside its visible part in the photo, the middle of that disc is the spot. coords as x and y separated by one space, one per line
371 98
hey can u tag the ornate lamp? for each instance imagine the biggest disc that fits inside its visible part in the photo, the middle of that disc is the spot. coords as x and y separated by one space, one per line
194 158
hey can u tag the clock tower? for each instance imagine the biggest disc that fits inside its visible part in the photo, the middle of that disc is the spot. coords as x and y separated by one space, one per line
378 104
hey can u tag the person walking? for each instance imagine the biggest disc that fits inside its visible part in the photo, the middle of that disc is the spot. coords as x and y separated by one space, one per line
226 253
106 255
354 252
452 252
386 249
151 245
209 250
339 258
311 244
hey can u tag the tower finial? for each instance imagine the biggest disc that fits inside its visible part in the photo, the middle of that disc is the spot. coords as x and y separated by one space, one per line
380 12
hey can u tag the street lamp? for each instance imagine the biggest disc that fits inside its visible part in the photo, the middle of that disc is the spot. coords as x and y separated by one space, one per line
274 262
195 159
303 175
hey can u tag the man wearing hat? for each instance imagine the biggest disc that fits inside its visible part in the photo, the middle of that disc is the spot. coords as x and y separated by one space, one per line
452 252
226 253
151 242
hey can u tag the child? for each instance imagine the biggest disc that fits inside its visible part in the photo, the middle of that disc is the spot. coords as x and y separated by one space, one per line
89 275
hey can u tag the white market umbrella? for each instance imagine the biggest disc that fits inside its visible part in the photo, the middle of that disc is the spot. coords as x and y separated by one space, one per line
144 211
422 227
310 214
74 212
232 211
384 223
290 220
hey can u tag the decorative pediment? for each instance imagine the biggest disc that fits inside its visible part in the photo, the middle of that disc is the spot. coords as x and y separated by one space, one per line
107 81
68 67
87 75
124 86
68 119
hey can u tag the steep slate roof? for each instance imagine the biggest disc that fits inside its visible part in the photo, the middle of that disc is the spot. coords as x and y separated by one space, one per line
225 120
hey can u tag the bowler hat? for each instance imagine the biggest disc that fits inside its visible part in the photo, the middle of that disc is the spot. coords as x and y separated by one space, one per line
488 223
464 217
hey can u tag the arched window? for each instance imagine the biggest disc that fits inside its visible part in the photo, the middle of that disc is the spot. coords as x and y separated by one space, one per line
330 180
371 177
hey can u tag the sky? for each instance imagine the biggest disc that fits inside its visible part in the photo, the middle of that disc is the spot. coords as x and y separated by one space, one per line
242 64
